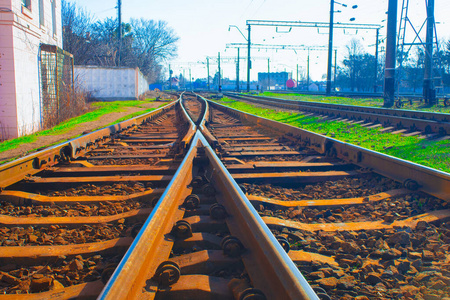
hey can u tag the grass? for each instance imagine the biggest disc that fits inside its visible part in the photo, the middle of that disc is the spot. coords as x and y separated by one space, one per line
373 102
99 109
135 114
428 153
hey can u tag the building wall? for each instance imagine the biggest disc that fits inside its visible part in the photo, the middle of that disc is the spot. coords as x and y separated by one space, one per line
142 86
21 34
8 110
276 78
111 83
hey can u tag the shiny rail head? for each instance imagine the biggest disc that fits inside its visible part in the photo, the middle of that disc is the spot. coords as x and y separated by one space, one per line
128 270
421 114
431 181
205 110
280 264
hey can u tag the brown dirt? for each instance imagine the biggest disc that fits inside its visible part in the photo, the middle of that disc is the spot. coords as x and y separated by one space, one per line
44 141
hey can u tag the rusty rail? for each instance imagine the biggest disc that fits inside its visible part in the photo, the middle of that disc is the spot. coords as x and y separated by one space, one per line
431 181
16 170
269 267
154 267
363 223
81 209
427 122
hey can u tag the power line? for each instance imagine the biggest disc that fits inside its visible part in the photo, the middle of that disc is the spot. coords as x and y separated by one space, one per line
311 24
277 47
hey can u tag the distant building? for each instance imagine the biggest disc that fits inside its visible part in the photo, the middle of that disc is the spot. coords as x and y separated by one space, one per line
277 79
313 87
175 82
24 26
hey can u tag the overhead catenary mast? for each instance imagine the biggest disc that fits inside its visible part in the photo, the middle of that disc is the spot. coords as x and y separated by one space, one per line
119 19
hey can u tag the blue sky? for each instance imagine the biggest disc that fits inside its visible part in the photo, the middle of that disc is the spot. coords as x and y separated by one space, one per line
202 26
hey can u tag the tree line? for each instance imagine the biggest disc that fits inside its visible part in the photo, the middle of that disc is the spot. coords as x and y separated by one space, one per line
361 72
146 44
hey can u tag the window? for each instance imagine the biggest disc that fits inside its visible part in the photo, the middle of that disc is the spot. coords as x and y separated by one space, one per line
26 8
26 3
54 17
41 13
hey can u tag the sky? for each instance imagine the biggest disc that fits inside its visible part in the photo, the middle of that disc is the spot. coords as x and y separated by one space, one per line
203 29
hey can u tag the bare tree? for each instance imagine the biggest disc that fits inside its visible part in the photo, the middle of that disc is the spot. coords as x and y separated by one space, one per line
146 44
105 38
358 71
153 43
77 25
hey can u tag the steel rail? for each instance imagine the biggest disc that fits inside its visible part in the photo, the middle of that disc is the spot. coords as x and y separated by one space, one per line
204 109
268 264
269 267
431 181
246 211
141 259
31 253
356 94
16 170
314 215
425 121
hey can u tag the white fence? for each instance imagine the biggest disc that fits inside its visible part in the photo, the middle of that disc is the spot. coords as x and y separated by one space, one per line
111 83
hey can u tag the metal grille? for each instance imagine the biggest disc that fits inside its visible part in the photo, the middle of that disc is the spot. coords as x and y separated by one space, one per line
56 84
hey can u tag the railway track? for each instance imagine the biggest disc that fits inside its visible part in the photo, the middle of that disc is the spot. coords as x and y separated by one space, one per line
121 214
406 122
69 213
352 232
146 209
401 98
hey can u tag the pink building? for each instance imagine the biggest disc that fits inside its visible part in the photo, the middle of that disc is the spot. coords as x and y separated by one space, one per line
24 26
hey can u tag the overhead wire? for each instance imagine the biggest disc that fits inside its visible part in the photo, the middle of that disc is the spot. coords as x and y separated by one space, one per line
257 10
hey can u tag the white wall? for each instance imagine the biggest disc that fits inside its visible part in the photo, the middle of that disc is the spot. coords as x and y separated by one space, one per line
8 111
21 34
142 83
110 82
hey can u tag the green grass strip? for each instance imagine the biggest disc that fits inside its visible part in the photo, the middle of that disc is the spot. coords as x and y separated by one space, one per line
428 153
372 102
100 109
135 114
15 143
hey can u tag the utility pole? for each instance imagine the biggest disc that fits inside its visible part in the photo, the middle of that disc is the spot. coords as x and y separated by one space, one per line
119 18
219 87
307 73
170 78
376 61
268 74
249 63
237 71
297 78
190 80
389 70
335 68
429 93
330 48
207 68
